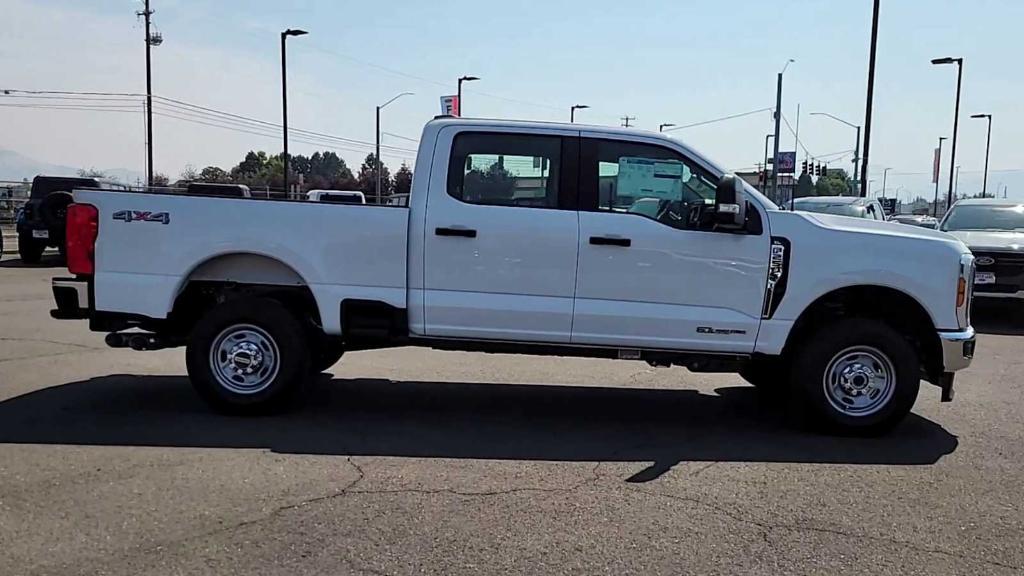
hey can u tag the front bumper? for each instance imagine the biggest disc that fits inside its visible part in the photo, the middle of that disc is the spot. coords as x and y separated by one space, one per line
72 298
1018 295
957 349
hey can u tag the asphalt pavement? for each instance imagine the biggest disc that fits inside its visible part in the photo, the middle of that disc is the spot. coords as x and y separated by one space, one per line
416 461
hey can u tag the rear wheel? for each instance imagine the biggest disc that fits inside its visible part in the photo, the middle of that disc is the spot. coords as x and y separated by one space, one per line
31 252
249 356
855 377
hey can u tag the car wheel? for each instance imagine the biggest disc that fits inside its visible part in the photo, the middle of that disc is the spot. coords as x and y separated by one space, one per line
249 356
855 377
31 252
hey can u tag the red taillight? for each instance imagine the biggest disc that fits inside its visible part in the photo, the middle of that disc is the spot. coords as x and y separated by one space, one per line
82 227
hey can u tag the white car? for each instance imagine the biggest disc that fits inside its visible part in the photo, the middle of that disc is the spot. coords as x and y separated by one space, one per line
336 196
994 231
519 238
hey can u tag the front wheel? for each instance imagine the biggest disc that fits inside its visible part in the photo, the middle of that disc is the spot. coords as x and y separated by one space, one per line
249 356
855 377
31 252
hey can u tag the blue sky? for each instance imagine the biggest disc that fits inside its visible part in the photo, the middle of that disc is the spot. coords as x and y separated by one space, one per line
660 61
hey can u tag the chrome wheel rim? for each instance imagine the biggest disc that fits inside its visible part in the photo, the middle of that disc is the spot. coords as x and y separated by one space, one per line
244 359
859 381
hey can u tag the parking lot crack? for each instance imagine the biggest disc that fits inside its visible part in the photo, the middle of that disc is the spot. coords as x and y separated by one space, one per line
769 527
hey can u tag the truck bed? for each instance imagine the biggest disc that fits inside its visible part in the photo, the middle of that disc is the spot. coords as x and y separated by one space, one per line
150 245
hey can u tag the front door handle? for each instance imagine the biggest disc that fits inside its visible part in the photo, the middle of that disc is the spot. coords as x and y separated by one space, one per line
459 232
610 241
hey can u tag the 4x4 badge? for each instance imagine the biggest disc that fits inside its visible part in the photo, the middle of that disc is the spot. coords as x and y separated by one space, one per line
142 216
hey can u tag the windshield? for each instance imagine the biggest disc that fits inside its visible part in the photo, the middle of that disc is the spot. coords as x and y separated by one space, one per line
980 217
838 209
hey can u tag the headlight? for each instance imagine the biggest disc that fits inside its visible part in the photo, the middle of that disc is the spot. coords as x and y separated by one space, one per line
965 290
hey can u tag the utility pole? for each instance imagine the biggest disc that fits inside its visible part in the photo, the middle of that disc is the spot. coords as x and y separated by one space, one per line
956 188
778 125
626 120
870 98
151 40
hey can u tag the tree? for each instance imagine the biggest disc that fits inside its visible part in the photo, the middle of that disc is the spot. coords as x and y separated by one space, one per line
91 173
252 164
160 179
367 180
403 180
804 186
834 182
494 183
215 175
189 174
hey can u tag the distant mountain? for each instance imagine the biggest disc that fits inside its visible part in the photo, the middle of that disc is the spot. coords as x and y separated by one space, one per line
15 167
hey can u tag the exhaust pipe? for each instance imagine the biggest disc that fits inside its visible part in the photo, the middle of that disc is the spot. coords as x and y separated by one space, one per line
135 341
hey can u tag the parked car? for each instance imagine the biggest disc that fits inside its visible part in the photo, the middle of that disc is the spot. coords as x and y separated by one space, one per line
916 220
398 200
336 196
853 206
994 231
515 243
222 190
41 221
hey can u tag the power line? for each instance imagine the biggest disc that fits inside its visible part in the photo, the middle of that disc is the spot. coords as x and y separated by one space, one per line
723 118
183 106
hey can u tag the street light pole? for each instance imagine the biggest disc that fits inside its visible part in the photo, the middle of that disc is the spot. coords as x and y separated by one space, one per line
988 145
856 149
885 174
661 127
766 138
572 111
870 97
459 93
284 97
377 153
938 165
956 120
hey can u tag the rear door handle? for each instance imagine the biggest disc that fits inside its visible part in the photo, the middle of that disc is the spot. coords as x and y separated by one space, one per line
460 232
610 241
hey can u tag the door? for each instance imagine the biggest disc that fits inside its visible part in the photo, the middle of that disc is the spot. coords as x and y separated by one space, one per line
501 238
651 272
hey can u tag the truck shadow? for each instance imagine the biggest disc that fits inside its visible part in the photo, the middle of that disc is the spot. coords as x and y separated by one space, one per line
1002 318
366 417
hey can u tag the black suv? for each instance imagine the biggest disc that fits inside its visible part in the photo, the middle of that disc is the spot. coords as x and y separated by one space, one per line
41 222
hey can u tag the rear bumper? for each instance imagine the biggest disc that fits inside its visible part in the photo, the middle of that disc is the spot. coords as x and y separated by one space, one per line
957 349
72 298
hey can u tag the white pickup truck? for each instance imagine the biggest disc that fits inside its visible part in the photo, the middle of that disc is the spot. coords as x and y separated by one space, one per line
532 238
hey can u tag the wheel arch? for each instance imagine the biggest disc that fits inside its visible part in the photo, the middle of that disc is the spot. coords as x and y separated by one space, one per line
900 310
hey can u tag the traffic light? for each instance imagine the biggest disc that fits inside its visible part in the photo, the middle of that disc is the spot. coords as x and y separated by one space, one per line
803 169
817 170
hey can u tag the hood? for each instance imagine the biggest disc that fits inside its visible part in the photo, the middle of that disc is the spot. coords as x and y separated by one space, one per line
995 240
851 224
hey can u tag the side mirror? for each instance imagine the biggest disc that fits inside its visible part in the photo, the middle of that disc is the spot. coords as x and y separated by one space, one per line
730 204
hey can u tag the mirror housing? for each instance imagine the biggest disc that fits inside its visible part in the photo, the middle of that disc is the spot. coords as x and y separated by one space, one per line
730 204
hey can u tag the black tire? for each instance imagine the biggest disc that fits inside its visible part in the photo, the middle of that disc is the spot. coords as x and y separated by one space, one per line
327 356
271 328
53 211
31 252
865 347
